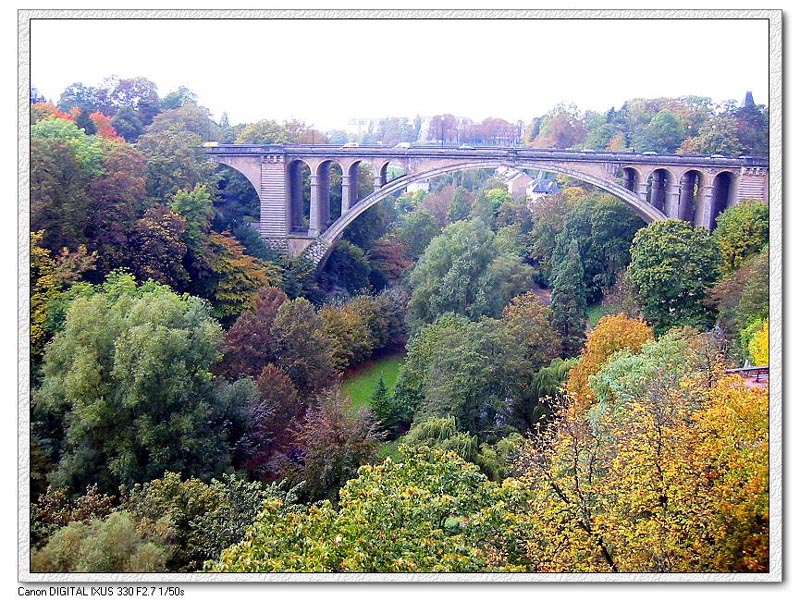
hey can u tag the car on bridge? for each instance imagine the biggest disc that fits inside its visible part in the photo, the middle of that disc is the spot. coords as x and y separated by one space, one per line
350 145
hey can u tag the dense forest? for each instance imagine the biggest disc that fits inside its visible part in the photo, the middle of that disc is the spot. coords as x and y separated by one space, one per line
565 403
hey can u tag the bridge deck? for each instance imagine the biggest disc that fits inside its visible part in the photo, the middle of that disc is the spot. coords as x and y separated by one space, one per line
488 152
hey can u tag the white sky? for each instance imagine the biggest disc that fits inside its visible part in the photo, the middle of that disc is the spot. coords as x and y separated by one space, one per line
326 72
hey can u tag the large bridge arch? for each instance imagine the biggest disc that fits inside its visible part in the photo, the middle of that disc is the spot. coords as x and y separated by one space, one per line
646 211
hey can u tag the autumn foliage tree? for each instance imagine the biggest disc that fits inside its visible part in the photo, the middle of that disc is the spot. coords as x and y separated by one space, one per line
612 333
268 440
302 349
235 277
333 442
644 480
157 241
249 342
49 277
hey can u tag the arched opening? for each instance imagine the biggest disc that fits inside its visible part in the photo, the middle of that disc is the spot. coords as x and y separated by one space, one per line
334 192
631 179
240 202
366 178
689 195
391 170
657 186
323 194
349 186
299 196
721 193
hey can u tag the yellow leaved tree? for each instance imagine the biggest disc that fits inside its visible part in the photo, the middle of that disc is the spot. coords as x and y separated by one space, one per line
665 472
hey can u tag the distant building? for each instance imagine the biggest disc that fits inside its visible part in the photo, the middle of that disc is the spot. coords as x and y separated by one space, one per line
517 182
541 186
424 185
518 185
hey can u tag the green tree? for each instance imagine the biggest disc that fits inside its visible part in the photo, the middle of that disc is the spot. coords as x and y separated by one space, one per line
672 266
753 123
422 350
84 122
373 223
603 228
380 402
88 150
81 96
202 518
128 385
175 161
740 298
548 216
496 461
428 512
189 117
416 232
460 207
265 131
127 124
718 135
568 302
118 198
113 544
529 410
664 134
139 93
197 208
741 232
464 271
177 98
347 267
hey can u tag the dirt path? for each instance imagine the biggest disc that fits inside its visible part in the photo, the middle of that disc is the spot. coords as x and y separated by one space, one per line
542 294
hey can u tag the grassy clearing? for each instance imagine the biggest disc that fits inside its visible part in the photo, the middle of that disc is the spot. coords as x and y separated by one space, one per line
359 383
595 312
389 449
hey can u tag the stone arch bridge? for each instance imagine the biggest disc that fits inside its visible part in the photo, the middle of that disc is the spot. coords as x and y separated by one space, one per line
692 188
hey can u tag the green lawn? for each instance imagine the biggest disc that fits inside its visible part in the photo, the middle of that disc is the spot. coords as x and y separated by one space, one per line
359 383
595 312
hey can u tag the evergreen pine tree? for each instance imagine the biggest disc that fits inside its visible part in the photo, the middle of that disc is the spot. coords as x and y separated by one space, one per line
568 302
381 405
